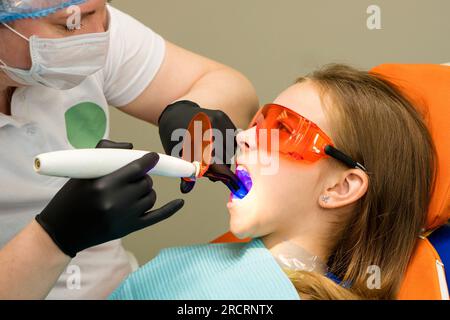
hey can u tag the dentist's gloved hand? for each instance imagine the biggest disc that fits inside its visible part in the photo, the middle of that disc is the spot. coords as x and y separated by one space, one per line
85 213
178 116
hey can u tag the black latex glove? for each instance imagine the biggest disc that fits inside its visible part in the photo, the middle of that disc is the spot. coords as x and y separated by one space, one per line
85 213
178 116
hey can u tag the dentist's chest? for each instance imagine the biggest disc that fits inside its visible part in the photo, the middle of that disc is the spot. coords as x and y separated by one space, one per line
45 120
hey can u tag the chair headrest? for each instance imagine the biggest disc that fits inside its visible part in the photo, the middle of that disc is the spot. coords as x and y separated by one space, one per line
427 86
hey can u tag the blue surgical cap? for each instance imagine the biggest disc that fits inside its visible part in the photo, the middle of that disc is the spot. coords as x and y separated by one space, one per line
11 10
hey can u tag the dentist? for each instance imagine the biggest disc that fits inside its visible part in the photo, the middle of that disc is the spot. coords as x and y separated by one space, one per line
56 83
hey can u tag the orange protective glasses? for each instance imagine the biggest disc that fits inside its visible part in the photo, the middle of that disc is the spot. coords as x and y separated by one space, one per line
298 137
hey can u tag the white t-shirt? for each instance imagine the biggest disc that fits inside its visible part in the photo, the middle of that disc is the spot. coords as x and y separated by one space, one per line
45 120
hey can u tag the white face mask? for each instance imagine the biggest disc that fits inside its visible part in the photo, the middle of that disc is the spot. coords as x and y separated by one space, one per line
61 63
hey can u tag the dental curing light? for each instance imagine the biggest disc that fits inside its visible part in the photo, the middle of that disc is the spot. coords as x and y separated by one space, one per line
195 162
96 163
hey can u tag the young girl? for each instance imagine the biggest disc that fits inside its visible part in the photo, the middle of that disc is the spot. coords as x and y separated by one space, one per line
355 168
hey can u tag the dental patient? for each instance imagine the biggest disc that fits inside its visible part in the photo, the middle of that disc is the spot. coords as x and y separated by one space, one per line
340 169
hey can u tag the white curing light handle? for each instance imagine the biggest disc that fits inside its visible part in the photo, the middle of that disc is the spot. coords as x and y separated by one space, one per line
96 163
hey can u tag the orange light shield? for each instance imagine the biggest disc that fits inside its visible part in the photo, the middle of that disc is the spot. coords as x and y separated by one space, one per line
198 143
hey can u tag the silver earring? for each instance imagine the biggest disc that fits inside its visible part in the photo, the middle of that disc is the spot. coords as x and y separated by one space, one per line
325 198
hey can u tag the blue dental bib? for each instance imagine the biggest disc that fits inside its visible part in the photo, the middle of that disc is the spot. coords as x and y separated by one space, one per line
236 271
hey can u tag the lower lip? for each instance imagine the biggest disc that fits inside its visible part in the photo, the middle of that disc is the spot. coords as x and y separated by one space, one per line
231 204
232 198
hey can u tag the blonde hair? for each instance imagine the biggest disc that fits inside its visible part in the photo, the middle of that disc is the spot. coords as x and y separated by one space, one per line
378 127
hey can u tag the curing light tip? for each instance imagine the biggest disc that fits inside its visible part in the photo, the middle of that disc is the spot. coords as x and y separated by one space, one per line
244 182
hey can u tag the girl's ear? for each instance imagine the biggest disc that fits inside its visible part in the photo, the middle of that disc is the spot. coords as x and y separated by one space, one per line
348 189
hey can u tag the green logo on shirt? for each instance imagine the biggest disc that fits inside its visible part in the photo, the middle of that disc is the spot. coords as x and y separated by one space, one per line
85 125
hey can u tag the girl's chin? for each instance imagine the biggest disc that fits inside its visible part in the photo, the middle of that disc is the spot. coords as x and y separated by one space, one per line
243 216
241 227
240 234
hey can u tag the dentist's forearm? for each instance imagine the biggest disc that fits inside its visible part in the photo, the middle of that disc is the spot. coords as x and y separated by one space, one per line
184 75
30 264
227 90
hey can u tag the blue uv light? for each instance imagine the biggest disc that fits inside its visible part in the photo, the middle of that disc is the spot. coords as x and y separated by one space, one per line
245 184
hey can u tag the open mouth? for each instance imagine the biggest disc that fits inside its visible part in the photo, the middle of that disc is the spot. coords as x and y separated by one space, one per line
244 176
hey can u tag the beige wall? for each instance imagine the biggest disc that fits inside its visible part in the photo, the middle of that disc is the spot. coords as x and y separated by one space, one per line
272 42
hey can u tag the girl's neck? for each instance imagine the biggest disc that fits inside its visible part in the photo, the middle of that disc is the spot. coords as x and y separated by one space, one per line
297 253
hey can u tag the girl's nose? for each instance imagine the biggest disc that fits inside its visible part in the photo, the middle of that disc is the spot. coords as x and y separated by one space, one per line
246 140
